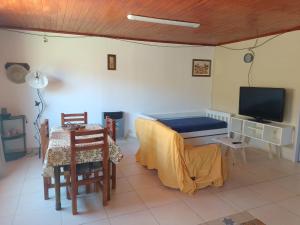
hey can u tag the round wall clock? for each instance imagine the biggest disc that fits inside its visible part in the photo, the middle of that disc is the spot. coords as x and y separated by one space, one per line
248 57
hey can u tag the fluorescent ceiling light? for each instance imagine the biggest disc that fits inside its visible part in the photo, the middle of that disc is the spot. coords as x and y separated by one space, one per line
163 21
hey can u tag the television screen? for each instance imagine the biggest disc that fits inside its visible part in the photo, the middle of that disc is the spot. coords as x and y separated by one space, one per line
262 103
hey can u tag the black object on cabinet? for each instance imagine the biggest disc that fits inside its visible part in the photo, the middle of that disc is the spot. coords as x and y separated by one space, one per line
119 118
13 135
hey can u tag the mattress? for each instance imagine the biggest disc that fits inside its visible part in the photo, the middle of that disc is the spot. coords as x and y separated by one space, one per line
184 125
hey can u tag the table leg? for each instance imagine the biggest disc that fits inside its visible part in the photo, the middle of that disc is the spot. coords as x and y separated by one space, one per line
270 152
228 159
57 187
234 161
109 179
244 155
278 149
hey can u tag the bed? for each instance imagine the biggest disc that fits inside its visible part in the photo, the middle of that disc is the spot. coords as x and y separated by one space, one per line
178 165
197 128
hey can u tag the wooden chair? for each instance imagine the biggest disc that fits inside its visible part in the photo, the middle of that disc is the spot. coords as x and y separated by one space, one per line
110 124
44 132
90 172
44 135
74 118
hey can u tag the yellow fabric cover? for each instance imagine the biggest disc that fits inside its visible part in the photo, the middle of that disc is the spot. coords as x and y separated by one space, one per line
185 167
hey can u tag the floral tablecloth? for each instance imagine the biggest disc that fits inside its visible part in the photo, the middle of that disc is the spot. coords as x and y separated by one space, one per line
59 150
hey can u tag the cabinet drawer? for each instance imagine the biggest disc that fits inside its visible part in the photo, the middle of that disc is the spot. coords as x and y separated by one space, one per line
272 134
252 129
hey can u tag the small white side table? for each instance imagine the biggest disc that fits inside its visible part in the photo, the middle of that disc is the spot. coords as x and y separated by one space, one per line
233 145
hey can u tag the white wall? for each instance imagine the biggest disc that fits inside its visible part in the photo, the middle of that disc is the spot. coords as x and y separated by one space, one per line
276 64
148 79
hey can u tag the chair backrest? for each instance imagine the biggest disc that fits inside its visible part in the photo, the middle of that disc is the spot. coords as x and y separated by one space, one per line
88 140
74 118
110 124
44 135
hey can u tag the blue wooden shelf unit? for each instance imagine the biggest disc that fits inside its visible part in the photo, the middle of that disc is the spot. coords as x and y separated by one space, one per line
13 135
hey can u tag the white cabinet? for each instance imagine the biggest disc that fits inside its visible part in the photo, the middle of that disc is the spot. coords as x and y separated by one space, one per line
253 129
275 134
236 125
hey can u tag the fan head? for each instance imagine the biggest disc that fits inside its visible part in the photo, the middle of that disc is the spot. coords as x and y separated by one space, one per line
37 80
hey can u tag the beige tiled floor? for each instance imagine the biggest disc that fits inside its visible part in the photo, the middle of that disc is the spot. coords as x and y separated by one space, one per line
268 189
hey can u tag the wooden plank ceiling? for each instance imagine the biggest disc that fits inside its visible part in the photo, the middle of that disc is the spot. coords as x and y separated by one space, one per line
222 21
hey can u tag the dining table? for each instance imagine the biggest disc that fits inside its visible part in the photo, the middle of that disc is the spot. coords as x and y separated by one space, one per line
58 155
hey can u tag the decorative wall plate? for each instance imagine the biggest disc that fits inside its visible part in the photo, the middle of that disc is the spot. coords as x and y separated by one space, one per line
16 72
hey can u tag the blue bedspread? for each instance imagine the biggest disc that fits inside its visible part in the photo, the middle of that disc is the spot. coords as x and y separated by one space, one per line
183 125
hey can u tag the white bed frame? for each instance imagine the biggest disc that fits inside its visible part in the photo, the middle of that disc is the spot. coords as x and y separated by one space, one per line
197 137
206 136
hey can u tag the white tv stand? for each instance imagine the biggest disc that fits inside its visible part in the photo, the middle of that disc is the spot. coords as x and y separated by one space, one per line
274 134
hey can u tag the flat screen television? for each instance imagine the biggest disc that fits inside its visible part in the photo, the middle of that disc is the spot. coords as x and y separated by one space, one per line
262 103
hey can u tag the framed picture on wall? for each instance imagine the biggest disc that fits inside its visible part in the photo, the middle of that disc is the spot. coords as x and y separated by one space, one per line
111 62
201 67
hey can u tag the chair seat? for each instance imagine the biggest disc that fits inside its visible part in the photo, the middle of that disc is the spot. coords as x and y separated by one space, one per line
84 168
